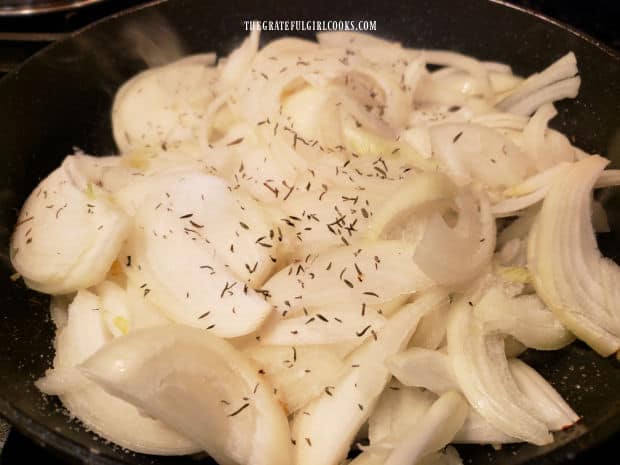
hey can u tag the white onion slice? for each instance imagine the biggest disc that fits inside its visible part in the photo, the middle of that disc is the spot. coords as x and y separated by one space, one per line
298 373
472 152
524 317
165 98
354 397
481 369
563 68
554 410
419 192
67 235
202 386
441 422
452 256
238 63
195 249
568 88
323 326
423 368
385 270
85 333
577 283
399 408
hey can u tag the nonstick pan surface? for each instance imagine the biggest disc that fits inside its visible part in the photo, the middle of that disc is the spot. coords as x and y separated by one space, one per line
61 98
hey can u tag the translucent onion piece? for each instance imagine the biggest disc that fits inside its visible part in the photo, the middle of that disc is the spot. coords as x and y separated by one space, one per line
399 408
538 144
481 369
84 334
524 317
608 178
501 121
568 88
529 192
142 313
298 373
323 326
49 259
431 332
476 430
572 277
114 307
554 410
455 255
563 68
421 191
202 386
194 245
306 108
385 270
472 152
171 98
353 398
238 63
315 220
440 423
413 368
423 368
459 61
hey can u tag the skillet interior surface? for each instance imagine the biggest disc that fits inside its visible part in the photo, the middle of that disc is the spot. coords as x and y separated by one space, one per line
61 99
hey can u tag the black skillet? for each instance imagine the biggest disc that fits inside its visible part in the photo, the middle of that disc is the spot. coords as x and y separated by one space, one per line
61 99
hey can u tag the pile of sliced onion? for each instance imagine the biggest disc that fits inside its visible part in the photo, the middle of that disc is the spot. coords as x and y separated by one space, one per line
320 246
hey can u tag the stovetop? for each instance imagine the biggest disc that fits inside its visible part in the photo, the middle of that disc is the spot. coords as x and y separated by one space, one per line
22 36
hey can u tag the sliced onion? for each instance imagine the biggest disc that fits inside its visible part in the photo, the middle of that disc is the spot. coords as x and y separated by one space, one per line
421 191
431 332
608 178
441 422
423 368
202 386
354 397
538 140
459 61
114 307
49 259
456 255
529 192
472 152
298 373
399 408
196 248
323 326
501 121
238 63
554 410
476 430
481 369
568 88
572 277
316 220
385 270
563 68
85 334
165 98
143 314
524 317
